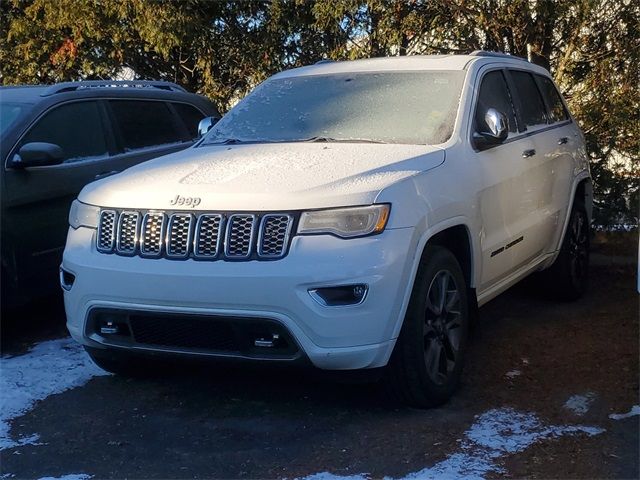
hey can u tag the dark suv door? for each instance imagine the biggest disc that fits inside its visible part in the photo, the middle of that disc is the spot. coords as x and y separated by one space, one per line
99 137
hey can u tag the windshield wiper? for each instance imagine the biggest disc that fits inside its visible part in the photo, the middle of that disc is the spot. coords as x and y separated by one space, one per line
227 141
338 140
318 139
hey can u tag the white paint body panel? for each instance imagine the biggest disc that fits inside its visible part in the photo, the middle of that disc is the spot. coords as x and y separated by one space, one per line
497 195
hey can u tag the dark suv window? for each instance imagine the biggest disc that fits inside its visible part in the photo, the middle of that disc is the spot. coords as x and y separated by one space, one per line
531 105
191 116
75 127
556 107
494 94
145 123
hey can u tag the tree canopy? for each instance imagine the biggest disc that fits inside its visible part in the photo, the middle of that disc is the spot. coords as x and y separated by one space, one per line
223 48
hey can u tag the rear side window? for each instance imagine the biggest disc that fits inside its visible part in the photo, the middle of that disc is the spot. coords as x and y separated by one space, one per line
191 116
145 124
531 105
75 127
494 94
556 107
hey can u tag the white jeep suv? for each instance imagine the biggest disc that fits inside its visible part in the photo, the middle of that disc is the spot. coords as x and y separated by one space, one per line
347 214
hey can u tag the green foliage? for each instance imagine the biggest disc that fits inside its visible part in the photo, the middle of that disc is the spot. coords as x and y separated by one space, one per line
224 48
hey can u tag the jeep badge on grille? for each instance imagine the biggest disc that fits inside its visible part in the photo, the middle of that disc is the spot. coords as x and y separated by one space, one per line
186 201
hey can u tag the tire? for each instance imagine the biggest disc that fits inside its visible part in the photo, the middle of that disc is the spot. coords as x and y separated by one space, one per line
568 277
426 363
123 363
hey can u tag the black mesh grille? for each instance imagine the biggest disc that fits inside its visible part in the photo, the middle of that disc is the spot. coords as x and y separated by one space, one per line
183 332
239 235
179 235
188 333
107 231
208 235
128 232
274 234
152 235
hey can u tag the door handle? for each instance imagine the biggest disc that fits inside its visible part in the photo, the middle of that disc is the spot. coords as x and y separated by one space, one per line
563 140
528 153
105 174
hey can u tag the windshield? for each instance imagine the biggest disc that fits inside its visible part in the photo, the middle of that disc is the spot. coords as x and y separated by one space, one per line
388 107
9 112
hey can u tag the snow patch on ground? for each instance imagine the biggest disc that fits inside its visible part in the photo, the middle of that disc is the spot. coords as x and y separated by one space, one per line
47 369
71 476
580 404
635 410
331 476
495 433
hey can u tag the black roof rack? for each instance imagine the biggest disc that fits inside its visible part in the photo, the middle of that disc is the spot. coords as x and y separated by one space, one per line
484 53
72 86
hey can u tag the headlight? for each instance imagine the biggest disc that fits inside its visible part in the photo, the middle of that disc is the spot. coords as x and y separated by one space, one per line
346 222
83 215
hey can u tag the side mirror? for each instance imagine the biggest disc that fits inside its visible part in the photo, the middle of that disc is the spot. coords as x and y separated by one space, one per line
498 130
38 154
205 125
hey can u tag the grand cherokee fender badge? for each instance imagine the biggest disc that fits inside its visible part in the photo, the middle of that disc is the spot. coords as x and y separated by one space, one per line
186 201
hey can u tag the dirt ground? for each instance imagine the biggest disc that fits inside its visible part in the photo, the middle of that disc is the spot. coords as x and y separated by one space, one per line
529 354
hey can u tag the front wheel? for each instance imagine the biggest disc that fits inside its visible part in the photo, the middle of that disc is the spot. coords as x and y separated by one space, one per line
427 361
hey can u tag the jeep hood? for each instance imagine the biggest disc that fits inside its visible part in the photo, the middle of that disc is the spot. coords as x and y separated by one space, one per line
276 176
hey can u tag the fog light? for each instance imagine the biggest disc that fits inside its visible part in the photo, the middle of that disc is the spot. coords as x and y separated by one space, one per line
66 279
342 295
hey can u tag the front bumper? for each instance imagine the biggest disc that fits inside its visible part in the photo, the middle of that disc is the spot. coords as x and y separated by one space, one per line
338 337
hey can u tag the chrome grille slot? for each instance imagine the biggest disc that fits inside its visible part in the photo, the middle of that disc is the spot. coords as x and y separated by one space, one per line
106 238
152 235
239 237
179 235
128 226
200 235
274 235
208 236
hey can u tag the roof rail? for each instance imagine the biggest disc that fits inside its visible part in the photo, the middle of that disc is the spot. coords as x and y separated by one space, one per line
484 53
72 86
324 60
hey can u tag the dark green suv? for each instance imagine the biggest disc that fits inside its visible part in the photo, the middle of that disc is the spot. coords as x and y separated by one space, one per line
56 139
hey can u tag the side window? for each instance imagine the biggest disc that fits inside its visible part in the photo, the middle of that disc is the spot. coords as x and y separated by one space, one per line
145 123
191 116
75 127
531 105
556 107
494 94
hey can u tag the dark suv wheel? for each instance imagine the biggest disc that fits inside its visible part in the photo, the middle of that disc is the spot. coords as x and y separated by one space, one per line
427 361
568 276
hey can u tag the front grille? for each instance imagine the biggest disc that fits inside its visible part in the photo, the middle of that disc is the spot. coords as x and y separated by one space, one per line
127 233
274 235
106 238
188 333
152 234
185 332
208 236
205 236
239 238
179 236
